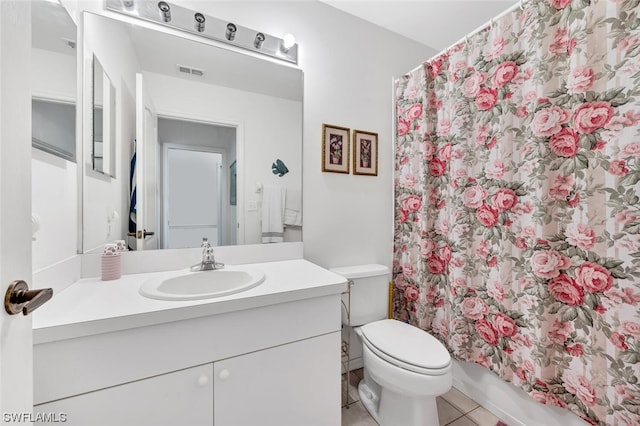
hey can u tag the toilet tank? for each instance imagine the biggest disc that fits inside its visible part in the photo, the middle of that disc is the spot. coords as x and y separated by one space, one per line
369 293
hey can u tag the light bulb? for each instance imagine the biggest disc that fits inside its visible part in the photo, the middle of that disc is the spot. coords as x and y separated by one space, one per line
288 40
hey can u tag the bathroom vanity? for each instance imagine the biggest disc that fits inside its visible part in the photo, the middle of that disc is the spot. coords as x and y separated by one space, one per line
105 355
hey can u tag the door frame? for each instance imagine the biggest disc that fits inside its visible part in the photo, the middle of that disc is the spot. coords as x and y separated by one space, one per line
222 122
222 183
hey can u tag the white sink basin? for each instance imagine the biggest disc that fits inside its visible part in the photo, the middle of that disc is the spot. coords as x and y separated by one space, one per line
202 285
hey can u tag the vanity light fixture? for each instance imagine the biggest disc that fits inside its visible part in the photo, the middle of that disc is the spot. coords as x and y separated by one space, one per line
230 34
288 41
257 42
161 12
199 21
165 11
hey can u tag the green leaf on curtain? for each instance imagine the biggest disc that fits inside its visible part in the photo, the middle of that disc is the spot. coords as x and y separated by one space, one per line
631 358
569 313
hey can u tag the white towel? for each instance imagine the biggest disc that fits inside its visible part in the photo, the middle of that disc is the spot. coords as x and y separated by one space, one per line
292 217
273 202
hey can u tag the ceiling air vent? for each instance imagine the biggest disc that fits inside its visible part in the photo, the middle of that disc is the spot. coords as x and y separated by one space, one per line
189 70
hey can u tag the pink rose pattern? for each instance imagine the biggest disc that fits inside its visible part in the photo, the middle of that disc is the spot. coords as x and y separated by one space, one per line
517 200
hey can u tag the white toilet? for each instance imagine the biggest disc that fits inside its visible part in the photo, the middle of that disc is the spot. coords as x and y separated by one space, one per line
405 368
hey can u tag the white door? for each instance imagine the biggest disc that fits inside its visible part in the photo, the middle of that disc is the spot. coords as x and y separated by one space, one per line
147 205
192 196
16 353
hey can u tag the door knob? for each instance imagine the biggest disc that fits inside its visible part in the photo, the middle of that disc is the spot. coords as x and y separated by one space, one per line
19 298
145 233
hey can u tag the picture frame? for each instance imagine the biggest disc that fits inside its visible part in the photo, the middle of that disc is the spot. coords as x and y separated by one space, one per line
335 149
365 153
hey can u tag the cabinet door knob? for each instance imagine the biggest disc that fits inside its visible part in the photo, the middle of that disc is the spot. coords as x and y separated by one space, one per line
203 380
224 374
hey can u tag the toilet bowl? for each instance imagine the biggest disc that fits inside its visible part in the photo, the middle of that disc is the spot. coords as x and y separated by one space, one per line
405 368
404 373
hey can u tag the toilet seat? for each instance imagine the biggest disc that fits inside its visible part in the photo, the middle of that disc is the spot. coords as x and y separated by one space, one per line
406 347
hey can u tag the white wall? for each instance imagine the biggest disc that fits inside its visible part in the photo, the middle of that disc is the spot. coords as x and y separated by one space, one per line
348 66
268 128
103 195
54 197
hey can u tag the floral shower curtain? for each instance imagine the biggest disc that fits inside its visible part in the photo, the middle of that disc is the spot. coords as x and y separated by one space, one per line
517 203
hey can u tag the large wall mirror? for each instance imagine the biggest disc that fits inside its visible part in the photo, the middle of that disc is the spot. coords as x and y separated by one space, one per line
197 130
54 160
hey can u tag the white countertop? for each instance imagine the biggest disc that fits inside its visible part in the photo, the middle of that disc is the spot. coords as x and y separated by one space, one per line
91 306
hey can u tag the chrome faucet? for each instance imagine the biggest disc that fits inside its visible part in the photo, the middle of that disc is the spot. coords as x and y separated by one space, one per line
208 262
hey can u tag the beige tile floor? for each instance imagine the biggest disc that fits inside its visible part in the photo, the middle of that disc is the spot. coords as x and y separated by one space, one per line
454 408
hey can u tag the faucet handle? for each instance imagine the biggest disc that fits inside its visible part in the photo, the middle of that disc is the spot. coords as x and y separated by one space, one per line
205 242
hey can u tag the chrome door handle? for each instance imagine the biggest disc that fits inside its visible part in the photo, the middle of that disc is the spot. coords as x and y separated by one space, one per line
19 298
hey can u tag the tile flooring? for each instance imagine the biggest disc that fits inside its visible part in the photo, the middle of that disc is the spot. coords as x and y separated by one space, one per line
454 408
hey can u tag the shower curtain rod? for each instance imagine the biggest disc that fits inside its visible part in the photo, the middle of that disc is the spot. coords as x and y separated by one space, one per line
519 4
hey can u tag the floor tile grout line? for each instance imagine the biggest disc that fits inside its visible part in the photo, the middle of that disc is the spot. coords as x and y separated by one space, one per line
456 419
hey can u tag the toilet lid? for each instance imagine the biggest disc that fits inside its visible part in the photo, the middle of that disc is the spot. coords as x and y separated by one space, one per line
407 344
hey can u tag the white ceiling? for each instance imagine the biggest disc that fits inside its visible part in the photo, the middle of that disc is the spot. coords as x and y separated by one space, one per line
435 23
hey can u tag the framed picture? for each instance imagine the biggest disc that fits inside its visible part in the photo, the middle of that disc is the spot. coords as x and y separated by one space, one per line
335 149
365 153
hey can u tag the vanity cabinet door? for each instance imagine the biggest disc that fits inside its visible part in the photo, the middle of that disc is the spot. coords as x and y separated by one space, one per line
183 397
289 385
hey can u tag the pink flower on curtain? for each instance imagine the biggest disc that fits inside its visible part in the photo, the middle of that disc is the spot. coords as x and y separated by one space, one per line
487 331
549 121
566 290
580 80
474 308
496 170
487 215
564 143
593 277
504 325
632 328
414 112
505 72
580 386
412 203
437 167
619 341
591 116
561 42
436 265
403 126
559 4
486 98
548 263
562 187
471 85
618 168
495 49
560 331
504 199
575 349
631 149
411 292
474 196
581 236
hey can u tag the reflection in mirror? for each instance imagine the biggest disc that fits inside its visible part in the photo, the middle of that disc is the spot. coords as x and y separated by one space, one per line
103 121
199 128
53 165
